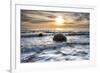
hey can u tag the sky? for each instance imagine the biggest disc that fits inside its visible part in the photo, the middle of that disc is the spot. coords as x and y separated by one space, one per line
54 20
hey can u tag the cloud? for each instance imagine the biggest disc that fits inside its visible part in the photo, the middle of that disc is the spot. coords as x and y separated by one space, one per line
36 16
38 19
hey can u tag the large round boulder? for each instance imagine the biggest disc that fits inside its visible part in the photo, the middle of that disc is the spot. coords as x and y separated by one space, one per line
40 34
59 38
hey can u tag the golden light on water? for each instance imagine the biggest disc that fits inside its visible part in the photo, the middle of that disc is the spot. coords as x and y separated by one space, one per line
59 29
59 20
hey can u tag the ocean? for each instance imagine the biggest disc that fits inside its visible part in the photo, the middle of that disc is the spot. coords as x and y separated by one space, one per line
35 48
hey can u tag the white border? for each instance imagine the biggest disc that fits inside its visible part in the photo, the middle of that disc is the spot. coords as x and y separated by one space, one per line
16 66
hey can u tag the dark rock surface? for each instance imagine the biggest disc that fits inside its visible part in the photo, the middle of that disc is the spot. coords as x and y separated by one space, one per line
59 38
40 34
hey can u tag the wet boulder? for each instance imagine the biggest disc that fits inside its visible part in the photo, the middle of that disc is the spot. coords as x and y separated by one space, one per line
59 38
40 34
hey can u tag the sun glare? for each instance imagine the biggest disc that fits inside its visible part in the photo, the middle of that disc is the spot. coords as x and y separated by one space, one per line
59 20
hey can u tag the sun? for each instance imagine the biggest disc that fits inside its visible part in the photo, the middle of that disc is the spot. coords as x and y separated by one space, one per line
59 20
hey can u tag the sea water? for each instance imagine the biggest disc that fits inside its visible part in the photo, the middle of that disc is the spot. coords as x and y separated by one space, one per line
36 48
